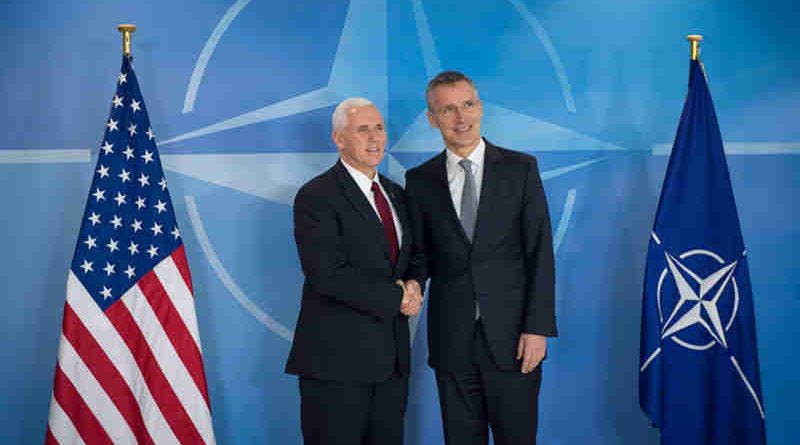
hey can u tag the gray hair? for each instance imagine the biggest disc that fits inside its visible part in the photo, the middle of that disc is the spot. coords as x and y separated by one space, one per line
448 78
339 118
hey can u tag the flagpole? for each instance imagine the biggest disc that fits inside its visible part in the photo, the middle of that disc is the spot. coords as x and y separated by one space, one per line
695 40
126 30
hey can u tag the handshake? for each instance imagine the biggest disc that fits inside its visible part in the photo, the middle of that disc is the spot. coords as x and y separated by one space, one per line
412 297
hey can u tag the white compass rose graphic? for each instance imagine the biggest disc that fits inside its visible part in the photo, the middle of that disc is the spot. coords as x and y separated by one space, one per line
699 299
360 68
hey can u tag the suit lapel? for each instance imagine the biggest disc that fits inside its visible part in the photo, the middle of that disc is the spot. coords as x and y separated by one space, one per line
439 171
354 195
489 191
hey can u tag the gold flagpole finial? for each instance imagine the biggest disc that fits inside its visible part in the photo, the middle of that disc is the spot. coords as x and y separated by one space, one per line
126 31
695 40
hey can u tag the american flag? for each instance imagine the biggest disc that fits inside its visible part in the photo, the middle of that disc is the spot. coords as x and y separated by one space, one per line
130 367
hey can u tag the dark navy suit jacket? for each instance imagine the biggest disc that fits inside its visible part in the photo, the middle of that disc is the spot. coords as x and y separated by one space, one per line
350 328
508 267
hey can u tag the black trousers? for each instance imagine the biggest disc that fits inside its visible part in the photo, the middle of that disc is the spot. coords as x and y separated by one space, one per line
335 413
484 397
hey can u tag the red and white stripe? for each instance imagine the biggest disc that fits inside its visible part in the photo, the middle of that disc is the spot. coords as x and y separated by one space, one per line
134 373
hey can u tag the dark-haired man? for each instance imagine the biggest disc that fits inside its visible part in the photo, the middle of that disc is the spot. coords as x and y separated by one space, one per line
481 232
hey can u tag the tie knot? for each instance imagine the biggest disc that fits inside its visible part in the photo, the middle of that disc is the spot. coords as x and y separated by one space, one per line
465 163
375 188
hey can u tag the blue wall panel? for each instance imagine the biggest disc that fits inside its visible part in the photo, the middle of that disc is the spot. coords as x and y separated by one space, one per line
240 95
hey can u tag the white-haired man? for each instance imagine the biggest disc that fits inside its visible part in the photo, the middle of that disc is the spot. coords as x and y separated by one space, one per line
351 344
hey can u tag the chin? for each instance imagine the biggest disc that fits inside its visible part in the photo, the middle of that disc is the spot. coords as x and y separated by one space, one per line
467 142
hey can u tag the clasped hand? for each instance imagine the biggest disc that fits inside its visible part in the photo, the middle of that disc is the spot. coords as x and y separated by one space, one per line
412 297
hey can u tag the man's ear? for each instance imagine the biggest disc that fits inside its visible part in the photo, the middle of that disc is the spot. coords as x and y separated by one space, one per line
337 138
431 120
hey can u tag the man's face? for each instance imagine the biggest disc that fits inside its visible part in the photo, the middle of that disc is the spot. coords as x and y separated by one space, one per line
361 142
456 111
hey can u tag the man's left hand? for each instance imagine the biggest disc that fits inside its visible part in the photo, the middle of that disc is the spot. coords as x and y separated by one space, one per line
412 297
531 349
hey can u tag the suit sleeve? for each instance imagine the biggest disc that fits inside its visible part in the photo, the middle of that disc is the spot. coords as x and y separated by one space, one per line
539 262
418 264
327 268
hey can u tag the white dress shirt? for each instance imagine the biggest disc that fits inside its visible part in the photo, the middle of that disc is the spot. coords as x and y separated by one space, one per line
365 185
456 175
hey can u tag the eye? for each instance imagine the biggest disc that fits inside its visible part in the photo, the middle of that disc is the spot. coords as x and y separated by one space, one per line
469 104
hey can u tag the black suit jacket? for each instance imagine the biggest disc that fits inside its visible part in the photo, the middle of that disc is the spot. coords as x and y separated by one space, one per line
508 267
350 328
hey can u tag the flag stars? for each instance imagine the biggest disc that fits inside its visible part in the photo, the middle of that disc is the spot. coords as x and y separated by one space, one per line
127 235
135 239
116 222
147 156
120 199
90 242
87 266
133 248
99 194
161 206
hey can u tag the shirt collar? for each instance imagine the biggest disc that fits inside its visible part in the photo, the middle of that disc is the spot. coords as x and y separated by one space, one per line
362 181
476 157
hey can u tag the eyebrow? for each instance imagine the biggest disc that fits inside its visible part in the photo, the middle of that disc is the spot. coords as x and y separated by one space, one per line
456 104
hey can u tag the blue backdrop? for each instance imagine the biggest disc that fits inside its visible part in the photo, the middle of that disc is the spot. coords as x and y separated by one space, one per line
240 94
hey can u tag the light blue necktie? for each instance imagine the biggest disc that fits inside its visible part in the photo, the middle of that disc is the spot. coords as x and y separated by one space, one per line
469 208
469 200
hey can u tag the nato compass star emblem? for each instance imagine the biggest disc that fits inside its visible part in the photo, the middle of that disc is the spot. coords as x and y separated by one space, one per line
697 309
359 68
698 305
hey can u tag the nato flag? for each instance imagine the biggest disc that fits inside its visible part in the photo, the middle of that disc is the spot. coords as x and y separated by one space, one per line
699 380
